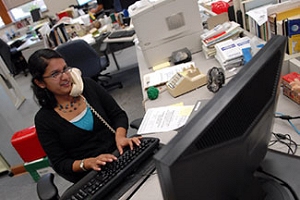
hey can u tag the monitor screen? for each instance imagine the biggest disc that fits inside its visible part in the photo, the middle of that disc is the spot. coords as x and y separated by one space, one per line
215 155
83 2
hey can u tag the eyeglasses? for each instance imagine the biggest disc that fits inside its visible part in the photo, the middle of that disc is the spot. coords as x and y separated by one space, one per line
57 74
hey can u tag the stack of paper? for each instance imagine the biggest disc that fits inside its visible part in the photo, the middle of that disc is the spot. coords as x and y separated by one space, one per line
163 119
229 54
231 30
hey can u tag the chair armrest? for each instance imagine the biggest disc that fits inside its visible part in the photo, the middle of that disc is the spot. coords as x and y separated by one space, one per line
136 123
103 47
46 188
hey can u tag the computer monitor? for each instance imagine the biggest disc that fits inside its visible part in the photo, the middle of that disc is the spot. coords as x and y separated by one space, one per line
215 155
82 3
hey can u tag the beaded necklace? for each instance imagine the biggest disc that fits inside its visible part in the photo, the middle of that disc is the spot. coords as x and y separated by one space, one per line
70 107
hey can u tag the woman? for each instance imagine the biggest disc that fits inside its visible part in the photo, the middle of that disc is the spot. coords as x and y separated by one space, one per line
73 137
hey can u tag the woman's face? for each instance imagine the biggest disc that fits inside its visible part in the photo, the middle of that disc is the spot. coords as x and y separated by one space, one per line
56 78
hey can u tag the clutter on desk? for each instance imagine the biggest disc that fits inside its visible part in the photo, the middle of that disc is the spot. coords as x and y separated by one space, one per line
181 56
287 89
215 79
152 93
189 79
228 54
222 32
162 76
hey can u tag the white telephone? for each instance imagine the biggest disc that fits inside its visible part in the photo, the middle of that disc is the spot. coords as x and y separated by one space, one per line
77 87
185 81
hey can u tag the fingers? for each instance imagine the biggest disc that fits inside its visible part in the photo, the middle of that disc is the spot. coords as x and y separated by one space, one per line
136 140
120 149
102 160
129 142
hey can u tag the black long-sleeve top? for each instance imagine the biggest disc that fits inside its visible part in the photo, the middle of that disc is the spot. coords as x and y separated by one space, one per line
64 142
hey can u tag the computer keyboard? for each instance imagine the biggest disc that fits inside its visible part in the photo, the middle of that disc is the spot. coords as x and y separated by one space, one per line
121 34
96 185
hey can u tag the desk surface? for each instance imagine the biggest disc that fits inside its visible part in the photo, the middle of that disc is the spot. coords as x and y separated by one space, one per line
190 98
285 106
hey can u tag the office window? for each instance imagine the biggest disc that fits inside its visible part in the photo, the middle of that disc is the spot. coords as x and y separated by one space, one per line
23 11
1 22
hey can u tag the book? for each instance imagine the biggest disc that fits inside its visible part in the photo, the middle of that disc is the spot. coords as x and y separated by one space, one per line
288 13
232 30
272 24
278 13
247 5
293 27
228 50
229 54
243 42
294 44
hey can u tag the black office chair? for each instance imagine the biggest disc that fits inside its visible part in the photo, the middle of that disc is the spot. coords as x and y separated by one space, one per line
80 54
46 188
13 58
58 35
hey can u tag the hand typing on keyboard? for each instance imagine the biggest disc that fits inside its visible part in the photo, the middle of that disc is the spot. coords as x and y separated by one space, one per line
98 162
123 142
96 185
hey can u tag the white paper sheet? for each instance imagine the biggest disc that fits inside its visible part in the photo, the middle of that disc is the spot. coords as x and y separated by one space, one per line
163 119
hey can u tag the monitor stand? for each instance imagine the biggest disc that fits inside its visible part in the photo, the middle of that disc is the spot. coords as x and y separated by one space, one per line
284 167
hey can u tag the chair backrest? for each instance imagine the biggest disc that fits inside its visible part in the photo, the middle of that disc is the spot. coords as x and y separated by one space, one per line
58 35
80 54
6 55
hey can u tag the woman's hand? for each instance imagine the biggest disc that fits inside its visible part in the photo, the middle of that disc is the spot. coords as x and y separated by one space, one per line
97 162
124 141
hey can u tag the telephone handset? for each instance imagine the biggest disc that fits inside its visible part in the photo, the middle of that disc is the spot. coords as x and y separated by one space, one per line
185 81
77 87
76 91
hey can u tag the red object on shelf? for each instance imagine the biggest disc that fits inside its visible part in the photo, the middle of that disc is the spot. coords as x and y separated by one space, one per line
286 88
288 78
27 144
219 7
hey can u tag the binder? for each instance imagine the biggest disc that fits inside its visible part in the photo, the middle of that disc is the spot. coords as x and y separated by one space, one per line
293 33
286 14
293 27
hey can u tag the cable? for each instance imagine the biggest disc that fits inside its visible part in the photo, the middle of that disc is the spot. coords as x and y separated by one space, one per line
288 118
282 182
286 140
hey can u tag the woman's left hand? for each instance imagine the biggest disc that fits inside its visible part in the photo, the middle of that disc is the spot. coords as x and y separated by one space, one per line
124 141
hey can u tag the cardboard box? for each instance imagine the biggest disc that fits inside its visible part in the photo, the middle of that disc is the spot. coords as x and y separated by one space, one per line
286 88
288 78
38 168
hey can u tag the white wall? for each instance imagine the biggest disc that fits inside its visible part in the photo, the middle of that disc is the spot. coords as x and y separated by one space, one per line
54 6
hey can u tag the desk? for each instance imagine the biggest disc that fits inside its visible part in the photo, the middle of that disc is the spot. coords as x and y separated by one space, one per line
151 188
190 98
113 44
118 44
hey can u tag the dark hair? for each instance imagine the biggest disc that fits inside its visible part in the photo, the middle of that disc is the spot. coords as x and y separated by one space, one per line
38 63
